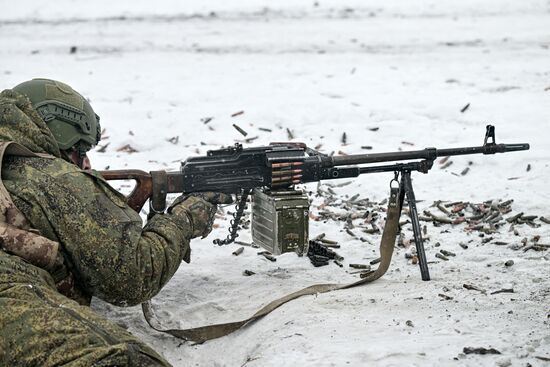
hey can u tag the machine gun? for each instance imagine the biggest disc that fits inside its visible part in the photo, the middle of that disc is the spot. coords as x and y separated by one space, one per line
238 170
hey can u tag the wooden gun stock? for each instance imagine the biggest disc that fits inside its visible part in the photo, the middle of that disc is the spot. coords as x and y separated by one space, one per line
141 192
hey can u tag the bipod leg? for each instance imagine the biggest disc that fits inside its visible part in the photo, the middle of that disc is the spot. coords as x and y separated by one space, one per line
406 184
401 198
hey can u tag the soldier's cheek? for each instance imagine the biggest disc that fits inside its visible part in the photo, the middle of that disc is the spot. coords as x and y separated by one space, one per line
86 164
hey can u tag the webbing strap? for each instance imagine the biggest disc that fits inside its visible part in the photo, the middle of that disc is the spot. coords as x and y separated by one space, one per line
205 333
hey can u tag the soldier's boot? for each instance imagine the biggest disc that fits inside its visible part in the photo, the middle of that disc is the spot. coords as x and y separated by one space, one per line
41 327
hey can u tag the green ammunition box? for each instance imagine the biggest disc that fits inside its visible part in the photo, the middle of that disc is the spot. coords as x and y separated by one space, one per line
280 220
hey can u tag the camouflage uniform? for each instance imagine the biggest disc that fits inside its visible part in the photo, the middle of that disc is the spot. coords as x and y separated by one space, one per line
102 243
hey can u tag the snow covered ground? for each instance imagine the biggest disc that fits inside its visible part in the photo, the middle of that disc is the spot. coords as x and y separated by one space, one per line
153 70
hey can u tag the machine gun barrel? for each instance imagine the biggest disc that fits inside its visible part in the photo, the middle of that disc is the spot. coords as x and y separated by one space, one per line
484 149
427 154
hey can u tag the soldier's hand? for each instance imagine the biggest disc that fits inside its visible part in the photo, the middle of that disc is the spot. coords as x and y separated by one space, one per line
200 207
213 197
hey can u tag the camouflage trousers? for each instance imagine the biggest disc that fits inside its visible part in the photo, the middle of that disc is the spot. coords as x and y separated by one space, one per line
41 327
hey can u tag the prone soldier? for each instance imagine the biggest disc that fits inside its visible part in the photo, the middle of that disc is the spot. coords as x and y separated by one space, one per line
66 236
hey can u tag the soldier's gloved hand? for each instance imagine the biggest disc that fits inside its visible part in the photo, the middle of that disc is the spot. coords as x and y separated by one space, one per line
200 208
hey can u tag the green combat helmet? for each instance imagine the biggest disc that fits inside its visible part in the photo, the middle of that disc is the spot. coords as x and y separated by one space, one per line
68 114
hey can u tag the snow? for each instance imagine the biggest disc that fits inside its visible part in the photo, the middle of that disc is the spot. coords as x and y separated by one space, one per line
155 69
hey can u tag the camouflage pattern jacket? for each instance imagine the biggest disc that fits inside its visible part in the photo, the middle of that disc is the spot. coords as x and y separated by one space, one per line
102 240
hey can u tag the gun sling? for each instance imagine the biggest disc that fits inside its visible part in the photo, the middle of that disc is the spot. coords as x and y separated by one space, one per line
205 333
